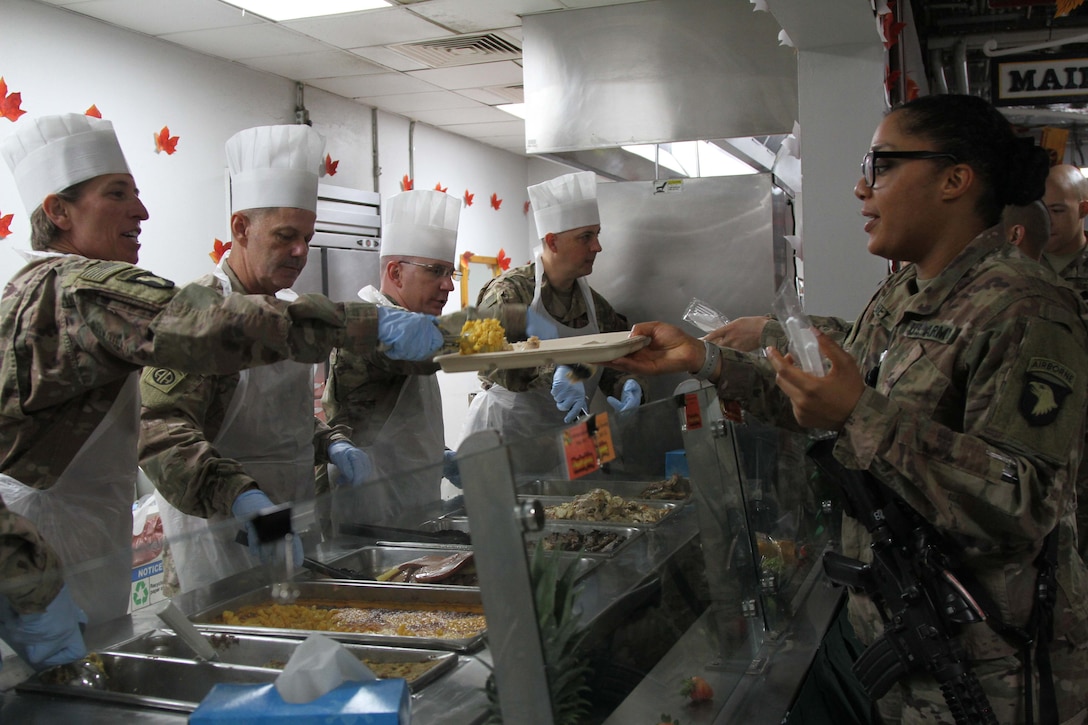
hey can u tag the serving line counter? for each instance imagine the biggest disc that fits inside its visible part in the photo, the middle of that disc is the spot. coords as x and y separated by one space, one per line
723 586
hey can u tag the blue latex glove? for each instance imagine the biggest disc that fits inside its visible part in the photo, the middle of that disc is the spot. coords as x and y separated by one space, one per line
570 395
245 508
408 335
450 470
629 398
49 638
539 325
353 463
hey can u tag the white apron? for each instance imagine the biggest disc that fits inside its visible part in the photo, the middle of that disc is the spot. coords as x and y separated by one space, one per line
269 429
406 452
86 516
524 415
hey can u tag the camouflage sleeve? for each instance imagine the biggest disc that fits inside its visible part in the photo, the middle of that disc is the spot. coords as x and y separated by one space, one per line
774 335
1003 471
324 436
143 320
181 415
749 382
29 568
516 287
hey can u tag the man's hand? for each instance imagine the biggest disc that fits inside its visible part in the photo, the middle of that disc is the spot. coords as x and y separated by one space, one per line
353 463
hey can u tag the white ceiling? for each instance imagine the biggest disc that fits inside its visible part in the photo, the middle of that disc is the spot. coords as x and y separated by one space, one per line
349 54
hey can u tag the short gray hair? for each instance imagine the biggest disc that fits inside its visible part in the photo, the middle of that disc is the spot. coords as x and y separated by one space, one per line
43 232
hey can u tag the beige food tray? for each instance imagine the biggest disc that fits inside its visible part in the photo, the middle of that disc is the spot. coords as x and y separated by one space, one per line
564 351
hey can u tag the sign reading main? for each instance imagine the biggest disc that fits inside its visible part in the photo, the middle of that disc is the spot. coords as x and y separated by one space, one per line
1027 80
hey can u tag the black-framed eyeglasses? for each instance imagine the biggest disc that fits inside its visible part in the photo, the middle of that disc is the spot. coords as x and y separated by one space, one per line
440 271
868 162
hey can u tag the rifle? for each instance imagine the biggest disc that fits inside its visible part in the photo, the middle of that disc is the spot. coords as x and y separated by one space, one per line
912 581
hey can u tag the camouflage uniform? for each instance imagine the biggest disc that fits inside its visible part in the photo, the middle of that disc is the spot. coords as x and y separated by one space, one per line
774 335
73 329
181 416
1076 273
518 286
977 422
25 559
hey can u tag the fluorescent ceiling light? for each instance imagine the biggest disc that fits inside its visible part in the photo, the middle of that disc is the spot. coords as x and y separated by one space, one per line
294 9
693 158
514 109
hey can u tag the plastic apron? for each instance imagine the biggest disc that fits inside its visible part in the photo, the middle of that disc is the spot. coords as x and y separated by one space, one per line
406 449
269 429
527 414
86 516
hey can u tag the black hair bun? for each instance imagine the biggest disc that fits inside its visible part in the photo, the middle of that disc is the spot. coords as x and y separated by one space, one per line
1025 176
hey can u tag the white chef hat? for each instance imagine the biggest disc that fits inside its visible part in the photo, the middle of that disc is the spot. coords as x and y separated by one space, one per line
274 167
421 223
565 202
51 153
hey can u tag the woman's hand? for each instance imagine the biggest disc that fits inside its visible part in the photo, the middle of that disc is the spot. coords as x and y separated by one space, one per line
820 402
671 350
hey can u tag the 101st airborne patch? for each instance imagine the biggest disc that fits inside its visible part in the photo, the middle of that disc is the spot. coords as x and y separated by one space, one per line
1046 385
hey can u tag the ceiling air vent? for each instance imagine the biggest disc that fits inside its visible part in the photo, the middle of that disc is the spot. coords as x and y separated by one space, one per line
460 50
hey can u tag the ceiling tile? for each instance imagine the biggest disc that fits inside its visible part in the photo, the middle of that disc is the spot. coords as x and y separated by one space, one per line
63 2
573 4
409 102
156 17
367 28
473 16
513 127
388 58
379 84
246 41
306 66
450 116
483 95
472 76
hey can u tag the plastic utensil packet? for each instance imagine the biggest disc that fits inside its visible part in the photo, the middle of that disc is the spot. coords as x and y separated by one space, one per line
803 344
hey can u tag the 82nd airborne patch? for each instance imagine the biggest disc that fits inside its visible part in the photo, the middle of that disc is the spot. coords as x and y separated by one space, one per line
1046 385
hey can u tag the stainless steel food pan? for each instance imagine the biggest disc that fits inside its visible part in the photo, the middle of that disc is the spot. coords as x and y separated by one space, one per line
371 561
629 533
668 506
562 487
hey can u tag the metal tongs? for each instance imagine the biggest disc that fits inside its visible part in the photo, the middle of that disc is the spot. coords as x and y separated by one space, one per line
272 526
450 325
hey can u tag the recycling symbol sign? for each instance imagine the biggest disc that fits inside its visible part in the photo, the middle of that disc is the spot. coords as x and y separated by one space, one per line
140 594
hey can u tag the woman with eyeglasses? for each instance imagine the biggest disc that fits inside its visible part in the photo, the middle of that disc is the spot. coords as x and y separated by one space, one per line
961 389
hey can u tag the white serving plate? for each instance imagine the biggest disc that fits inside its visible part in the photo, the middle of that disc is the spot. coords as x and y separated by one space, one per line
563 351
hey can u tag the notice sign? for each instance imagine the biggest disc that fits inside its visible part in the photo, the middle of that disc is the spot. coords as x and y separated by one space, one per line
579 450
1026 80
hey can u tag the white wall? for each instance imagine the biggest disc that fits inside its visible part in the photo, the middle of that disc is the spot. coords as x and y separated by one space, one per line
62 62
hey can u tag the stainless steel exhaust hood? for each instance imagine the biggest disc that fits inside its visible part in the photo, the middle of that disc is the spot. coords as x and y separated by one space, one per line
652 72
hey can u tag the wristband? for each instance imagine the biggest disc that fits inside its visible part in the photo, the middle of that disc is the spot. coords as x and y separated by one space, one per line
713 354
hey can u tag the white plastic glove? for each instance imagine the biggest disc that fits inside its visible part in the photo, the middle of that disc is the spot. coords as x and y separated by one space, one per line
570 395
630 397
49 638
450 470
408 335
245 508
353 463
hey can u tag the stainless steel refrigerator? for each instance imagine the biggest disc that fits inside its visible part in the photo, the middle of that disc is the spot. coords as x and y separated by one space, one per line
345 250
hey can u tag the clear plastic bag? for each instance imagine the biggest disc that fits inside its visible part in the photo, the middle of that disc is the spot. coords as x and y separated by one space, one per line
703 316
803 344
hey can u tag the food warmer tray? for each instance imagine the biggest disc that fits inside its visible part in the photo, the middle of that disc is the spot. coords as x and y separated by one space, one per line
562 487
461 523
348 594
371 561
547 501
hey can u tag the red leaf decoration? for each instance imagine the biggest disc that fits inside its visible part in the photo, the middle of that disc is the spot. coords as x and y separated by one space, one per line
166 143
407 184
496 202
93 112
892 29
218 250
502 260
10 102
467 256
439 187
525 208
468 198
890 79
330 165
912 89
5 225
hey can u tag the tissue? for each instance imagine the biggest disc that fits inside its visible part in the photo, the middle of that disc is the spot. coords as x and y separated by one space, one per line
317 666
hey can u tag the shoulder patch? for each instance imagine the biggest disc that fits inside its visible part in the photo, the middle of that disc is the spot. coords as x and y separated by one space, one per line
101 271
142 276
935 331
1047 383
162 379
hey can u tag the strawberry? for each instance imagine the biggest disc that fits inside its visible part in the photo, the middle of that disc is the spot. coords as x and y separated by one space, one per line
697 689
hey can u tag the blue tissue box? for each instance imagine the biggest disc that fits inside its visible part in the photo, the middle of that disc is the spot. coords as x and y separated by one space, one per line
378 702
676 462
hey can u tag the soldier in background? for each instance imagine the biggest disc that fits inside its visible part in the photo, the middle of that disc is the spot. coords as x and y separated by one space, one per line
1027 227
975 412
1066 252
76 324
223 445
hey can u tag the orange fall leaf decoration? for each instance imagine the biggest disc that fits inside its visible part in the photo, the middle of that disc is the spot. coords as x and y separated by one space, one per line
525 208
467 257
166 143
10 102
1067 6
502 260
468 198
218 250
330 165
892 29
407 184
439 187
93 112
5 225
496 202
